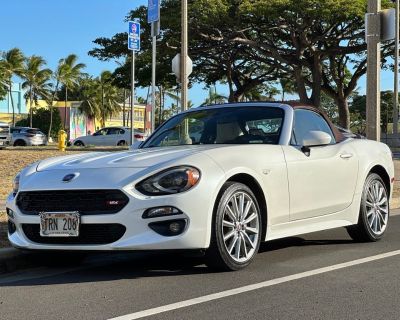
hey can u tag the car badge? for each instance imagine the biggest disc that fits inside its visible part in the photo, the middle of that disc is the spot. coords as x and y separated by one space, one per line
70 177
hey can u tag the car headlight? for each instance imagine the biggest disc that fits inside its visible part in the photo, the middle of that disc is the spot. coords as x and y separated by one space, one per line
16 184
170 181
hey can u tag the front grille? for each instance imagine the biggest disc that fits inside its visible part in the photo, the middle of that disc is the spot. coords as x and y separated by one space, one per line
86 202
88 234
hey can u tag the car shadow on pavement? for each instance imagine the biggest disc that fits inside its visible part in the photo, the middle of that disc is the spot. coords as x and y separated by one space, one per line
300 242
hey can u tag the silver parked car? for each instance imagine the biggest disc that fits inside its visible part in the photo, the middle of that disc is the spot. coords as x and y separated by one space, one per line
110 136
4 135
25 136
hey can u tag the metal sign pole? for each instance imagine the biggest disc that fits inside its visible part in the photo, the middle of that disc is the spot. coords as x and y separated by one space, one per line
184 55
396 74
133 99
153 75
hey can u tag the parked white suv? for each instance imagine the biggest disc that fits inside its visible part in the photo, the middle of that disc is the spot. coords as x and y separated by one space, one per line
111 136
4 135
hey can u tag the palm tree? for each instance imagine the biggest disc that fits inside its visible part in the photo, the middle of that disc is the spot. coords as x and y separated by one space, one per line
3 83
69 73
100 98
36 81
11 65
214 97
91 100
109 97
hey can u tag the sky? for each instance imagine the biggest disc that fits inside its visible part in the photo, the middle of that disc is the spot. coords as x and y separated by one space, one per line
55 28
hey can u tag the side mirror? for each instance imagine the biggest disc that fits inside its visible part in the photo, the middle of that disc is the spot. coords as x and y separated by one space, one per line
135 145
316 138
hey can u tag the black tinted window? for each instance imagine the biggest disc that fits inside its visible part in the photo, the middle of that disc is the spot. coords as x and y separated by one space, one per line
230 125
306 121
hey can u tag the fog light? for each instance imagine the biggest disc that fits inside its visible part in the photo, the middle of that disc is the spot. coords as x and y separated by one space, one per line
169 228
11 227
160 212
175 227
10 213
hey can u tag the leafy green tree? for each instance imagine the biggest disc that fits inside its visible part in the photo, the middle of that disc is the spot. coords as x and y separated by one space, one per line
69 74
11 65
358 109
100 97
3 83
36 81
41 118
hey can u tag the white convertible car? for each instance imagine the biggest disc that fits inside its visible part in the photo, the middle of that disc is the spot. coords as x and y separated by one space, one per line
258 172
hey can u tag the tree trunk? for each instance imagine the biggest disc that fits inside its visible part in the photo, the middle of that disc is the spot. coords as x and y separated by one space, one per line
51 109
51 120
301 87
12 102
124 108
65 105
344 112
30 108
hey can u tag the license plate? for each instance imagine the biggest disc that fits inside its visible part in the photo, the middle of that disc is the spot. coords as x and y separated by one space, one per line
59 224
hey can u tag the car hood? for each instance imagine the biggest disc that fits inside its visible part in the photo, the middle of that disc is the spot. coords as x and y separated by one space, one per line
142 158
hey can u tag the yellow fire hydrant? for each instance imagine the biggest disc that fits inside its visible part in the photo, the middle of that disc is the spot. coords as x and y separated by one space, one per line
62 139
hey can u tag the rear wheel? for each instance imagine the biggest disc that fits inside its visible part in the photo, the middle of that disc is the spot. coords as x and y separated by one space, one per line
374 211
121 143
79 143
19 143
236 229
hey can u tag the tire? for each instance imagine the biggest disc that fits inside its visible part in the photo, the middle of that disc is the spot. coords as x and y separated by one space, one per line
234 243
19 143
121 143
374 211
79 143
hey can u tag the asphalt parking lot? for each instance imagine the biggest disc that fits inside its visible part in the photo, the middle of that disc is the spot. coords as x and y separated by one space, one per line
315 276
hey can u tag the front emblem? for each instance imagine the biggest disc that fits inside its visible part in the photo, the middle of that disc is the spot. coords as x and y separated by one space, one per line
70 177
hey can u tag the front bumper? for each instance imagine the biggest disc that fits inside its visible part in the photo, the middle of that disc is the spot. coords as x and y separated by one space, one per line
196 210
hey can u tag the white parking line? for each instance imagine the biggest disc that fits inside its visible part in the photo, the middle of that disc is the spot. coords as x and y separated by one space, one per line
260 285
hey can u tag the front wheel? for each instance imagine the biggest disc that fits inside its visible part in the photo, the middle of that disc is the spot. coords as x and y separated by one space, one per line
374 211
236 229
79 144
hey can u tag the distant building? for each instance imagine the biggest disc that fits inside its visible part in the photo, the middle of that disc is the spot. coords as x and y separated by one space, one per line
76 123
20 109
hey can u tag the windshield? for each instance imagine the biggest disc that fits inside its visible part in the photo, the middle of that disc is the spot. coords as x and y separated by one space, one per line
229 125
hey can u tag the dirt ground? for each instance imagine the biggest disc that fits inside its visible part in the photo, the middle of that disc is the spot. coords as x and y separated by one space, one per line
13 160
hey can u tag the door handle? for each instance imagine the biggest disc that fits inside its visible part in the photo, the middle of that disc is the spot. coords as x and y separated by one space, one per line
346 155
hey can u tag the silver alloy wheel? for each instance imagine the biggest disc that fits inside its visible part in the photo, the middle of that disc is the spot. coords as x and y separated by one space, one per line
240 226
377 207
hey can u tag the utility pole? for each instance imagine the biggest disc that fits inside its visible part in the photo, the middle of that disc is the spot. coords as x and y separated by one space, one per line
184 55
373 129
396 73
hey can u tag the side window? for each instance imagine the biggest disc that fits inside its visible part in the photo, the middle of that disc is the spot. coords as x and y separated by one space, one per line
306 121
112 131
101 132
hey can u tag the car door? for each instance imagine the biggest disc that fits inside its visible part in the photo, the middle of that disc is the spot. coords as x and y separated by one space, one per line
322 181
98 138
113 136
